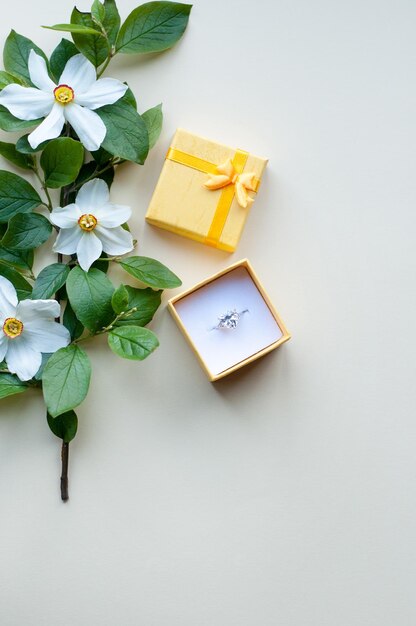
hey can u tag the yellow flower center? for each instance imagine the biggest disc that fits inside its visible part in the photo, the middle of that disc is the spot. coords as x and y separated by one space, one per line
64 94
87 222
12 327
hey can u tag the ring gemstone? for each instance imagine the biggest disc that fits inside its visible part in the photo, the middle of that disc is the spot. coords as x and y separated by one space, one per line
230 319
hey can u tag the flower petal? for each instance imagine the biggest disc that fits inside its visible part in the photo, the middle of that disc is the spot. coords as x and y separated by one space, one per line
46 336
22 359
8 298
26 103
103 91
39 73
65 217
67 240
92 196
79 73
88 125
115 240
112 215
50 128
29 310
4 344
89 250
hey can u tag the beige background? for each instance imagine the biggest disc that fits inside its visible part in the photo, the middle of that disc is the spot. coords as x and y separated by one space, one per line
285 495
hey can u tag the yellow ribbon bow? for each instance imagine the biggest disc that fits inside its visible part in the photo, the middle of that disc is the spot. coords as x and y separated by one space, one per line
227 175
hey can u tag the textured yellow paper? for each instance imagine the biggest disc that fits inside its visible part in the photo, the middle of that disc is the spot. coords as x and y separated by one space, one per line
183 205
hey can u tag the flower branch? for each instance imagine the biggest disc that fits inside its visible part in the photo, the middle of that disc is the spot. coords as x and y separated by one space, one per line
84 127
45 190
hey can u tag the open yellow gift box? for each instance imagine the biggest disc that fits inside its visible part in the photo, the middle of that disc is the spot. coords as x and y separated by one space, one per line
229 320
205 191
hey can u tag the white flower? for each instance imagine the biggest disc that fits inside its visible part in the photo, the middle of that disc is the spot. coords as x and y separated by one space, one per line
92 225
28 328
73 100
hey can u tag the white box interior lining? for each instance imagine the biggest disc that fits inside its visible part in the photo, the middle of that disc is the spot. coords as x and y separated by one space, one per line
223 348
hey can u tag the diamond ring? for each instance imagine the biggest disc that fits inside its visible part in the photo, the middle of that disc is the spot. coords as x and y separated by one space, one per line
229 320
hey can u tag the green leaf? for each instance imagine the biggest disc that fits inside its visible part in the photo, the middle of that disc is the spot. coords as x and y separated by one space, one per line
93 46
23 145
127 135
61 294
111 22
64 426
50 279
16 54
90 296
101 156
45 358
98 12
132 342
16 195
120 299
61 161
21 259
75 28
9 152
10 385
153 118
11 124
153 27
66 379
7 79
130 98
23 288
72 323
150 272
60 57
146 301
101 264
88 170
27 231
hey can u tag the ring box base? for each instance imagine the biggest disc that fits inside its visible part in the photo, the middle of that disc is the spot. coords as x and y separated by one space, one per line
222 351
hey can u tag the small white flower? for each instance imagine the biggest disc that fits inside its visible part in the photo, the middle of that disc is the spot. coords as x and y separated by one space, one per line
92 225
28 328
73 100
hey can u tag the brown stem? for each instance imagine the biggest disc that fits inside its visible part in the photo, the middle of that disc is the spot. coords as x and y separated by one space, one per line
64 474
65 444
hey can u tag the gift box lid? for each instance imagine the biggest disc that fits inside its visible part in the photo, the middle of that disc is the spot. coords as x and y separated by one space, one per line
205 190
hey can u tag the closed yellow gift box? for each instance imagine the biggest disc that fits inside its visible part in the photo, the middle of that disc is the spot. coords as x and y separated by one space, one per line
205 191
